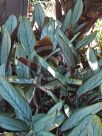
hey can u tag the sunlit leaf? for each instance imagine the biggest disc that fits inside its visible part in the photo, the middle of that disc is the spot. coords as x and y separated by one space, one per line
92 59
85 41
13 124
91 83
11 24
39 15
89 126
80 114
19 103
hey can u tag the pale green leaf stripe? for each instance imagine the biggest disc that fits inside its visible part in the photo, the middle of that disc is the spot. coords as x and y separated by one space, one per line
11 24
77 11
26 36
19 103
85 41
39 15
91 83
13 124
67 21
5 47
92 123
44 133
80 114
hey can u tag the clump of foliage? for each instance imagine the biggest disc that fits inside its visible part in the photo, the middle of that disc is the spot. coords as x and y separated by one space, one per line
50 83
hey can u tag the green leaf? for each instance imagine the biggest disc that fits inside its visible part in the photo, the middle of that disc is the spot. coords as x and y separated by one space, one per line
37 117
19 51
69 42
48 123
5 47
19 103
67 52
39 15
67 21
22 70
50 93
80 114
91 83
50 31
92 59
26 36
55 84
77 11
44 133
2 70
53 71
89 126
56 108
13 124
85 41
11 24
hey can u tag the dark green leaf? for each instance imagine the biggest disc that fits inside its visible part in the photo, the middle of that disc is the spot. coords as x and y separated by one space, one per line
89 126
5 47
53 71
56 108
13 124
67 52
67 21
55 84
48 123
91 83
11 24
20 104
26 35
22 70
37 117
50 93
39 15
77 11
69 42
85 41
80 114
